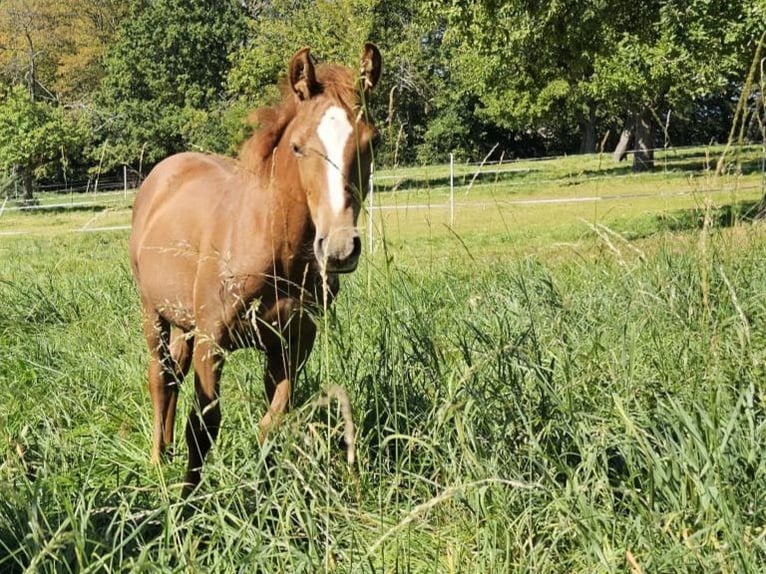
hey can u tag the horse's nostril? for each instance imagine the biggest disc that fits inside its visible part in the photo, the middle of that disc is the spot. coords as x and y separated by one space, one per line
357 250
338 254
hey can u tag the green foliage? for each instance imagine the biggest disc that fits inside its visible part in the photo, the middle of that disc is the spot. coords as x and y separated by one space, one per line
335 32
446 133
530 73
220 128
414 86
556 66
165 76
35 135
160 76
678 53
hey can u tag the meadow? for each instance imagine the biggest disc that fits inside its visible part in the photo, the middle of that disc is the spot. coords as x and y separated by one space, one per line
570 378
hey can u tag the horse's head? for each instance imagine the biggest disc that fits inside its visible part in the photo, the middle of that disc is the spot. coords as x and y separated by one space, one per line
332 144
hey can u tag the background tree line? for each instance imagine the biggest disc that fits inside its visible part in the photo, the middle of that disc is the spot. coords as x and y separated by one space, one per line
91 85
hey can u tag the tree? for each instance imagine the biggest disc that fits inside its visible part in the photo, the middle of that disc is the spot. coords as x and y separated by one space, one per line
85 30
55 51
159 76
34 135
334 30
564 66
413 115
56 48
679 53
166 73
527 63
26 48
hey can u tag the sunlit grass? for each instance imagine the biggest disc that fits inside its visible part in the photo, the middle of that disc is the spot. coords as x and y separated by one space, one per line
567 387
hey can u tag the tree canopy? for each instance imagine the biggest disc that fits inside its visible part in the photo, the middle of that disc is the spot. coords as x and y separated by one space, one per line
165 76
110 82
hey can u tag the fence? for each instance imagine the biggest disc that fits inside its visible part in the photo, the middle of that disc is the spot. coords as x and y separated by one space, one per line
473 172
126 180
446 181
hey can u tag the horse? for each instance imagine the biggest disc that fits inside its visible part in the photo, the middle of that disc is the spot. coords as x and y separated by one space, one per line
233 253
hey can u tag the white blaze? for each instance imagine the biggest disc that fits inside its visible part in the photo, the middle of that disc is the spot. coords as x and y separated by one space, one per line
334 131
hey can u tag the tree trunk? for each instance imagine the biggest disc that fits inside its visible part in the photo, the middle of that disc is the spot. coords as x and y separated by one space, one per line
32 74
643 156
26 177
588 134
621 151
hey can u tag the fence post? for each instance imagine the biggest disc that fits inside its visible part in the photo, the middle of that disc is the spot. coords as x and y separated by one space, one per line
100 163
125 180
451 189
763 130
371 191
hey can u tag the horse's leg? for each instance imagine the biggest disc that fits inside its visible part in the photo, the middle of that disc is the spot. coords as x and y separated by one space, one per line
181 355
157 332
205 417
284 358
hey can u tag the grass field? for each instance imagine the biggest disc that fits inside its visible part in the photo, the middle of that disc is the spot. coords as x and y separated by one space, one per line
571 386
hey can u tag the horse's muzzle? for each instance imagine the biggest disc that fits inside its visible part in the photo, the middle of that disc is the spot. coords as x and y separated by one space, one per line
338 256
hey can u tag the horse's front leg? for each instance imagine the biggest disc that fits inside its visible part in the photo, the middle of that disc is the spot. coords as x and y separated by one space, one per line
285 355
204 419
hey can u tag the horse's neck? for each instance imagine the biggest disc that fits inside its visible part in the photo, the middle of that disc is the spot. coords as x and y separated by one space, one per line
284 201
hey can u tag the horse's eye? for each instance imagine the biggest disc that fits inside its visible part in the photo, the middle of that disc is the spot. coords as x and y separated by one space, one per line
297 150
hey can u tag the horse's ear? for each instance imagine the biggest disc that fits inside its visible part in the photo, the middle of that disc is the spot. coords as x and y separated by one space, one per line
371 66
301 74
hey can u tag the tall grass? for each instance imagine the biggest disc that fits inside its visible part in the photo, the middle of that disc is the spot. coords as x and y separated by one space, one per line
601 414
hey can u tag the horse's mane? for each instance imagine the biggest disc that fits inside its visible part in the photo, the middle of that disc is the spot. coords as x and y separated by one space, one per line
335 81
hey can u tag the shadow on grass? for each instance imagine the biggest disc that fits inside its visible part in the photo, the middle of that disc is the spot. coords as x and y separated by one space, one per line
724 216
685 160
700 163
507 175
60 208
488 175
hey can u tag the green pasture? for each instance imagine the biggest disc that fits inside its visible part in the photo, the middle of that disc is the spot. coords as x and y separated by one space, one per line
541 387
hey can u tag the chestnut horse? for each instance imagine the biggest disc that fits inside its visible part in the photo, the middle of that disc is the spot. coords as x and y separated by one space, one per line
237 253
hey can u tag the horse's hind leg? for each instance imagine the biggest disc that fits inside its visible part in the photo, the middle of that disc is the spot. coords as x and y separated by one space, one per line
157 333
168 363
181 355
